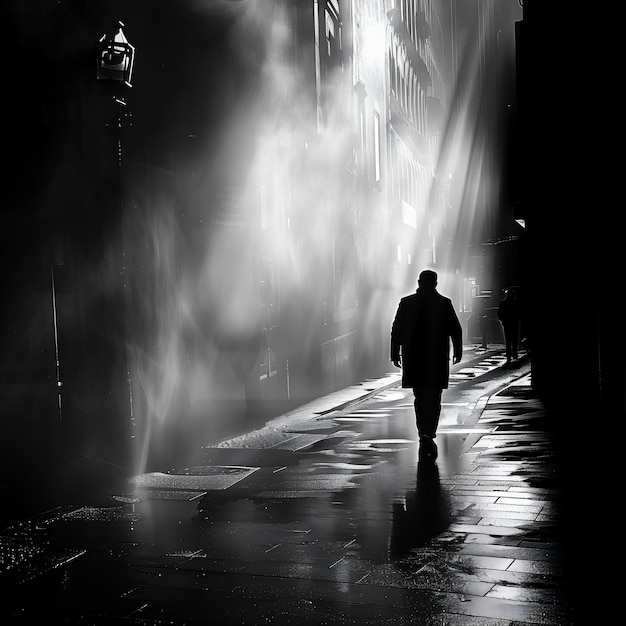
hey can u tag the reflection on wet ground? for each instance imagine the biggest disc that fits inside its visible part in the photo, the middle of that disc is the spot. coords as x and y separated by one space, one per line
422 513
333 520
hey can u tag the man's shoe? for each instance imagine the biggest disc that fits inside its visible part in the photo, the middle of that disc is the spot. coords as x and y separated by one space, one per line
428 448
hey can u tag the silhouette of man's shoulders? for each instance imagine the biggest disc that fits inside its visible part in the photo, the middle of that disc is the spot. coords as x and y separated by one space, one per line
432 296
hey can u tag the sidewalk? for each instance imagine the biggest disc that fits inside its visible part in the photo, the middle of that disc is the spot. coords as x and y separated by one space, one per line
291 523
33 480
344 398
503 557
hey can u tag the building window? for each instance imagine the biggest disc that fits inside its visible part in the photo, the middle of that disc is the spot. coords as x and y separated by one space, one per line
330 34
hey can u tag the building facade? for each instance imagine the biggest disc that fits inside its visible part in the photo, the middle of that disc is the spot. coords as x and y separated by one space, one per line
245 222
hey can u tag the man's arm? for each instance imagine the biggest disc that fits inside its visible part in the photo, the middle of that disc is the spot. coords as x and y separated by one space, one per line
396 334
456 334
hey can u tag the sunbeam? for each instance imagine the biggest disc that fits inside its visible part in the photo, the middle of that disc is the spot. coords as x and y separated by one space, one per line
268 273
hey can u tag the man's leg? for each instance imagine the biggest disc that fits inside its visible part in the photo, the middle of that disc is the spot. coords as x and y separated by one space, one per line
514 341
427 411
507 344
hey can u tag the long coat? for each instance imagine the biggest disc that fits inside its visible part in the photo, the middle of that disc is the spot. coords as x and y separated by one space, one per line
509 312
421 332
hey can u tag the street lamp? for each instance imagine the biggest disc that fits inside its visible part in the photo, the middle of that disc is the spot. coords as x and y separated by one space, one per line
115 63
116 58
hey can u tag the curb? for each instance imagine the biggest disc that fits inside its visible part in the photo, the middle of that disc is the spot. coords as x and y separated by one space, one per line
325 405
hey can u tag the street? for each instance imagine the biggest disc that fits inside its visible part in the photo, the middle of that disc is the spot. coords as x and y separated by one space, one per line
326 520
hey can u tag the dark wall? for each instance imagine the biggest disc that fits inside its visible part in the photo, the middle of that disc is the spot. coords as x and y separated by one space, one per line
61 328
572 260
574 272
65 251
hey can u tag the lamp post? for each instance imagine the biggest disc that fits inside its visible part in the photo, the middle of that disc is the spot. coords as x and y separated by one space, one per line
114 69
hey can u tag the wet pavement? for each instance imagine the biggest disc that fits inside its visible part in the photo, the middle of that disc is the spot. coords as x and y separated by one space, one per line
326 515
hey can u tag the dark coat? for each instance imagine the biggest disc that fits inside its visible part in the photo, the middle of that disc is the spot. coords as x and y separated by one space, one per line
509 312
425 323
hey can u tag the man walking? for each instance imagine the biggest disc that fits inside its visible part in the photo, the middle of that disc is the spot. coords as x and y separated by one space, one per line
509 316
421 332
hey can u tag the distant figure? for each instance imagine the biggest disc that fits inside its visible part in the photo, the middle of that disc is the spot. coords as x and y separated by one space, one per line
424 324
509 315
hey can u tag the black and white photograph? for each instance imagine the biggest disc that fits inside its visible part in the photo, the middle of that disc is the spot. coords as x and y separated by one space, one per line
311 314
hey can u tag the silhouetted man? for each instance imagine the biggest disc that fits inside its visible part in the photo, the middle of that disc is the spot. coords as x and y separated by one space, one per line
424 324
510 316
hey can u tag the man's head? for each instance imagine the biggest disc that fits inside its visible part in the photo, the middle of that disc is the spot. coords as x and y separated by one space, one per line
427 279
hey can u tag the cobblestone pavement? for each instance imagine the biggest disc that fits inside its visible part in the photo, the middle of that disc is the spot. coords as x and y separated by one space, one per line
326 516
